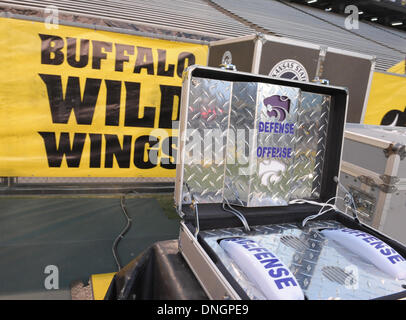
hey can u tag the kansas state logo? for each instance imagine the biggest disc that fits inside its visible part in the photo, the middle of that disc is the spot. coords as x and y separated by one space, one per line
277 106
271 171
289 69
227 58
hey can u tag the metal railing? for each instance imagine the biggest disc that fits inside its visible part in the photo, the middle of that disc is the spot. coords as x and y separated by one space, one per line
83 185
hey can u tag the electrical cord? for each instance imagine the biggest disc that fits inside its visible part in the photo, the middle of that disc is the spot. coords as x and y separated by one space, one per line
350 198
123 232
323 205
321 211
347 193
129 222
238 214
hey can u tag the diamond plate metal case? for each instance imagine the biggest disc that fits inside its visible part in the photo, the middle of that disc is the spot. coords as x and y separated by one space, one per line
323 270
261 144
205 135
229 152
276 144
251 144
310 145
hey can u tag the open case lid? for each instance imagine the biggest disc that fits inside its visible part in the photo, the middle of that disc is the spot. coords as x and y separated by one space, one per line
205 104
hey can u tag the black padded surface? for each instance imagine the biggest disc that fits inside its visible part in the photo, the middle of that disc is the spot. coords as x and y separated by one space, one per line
159 273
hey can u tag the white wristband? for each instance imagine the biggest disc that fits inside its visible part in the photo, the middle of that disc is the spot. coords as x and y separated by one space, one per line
370 248
263 268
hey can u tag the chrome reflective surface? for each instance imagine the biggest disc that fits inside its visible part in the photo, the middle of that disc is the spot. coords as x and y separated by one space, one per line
223 137
261 179
207 124
324 269
310 144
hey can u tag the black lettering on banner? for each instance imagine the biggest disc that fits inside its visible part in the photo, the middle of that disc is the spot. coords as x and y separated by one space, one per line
169 149
121 49
162 71
168 94
394 118
183 56
51 49
113 148
144 60
83 53
95 150
139 150
79 96
55 154
132 108
113 102
62 108
98 54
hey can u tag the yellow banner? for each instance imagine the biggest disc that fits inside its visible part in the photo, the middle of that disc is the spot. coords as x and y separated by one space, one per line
398 68
77 102
387 100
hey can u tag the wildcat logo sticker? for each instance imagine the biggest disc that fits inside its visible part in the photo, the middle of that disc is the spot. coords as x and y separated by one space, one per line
277 106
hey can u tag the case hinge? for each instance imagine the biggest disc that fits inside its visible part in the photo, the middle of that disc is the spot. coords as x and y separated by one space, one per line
387 179
384 187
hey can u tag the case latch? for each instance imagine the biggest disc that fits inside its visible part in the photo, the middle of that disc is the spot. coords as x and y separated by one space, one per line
395 149
387 179
228 66
384 187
